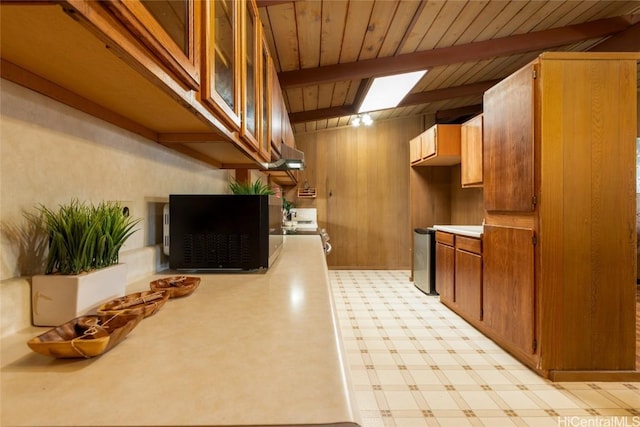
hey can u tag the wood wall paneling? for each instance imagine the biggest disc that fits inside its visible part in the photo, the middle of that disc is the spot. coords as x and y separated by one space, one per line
363 191
430 196
466 203
370 199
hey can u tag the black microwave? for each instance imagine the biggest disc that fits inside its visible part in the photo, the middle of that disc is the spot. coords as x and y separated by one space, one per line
223 232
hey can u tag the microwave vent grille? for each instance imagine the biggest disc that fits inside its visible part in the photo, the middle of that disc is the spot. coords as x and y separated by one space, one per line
216 249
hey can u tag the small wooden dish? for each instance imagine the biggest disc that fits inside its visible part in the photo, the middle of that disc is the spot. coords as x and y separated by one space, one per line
85 336
177 286
146 303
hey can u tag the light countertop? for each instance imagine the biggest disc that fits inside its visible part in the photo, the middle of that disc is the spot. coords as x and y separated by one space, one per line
464 230
243 349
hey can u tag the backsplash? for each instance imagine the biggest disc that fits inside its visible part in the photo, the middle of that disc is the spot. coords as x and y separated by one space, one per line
52 153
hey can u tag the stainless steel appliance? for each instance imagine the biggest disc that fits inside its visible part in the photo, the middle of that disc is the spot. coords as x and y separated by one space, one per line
424 260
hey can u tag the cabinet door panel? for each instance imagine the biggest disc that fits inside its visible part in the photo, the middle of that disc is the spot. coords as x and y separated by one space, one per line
471 152
429 146
167 29
508 284
445 270
415 149
265 101
508 152
251 75
277 110
468 283
221 77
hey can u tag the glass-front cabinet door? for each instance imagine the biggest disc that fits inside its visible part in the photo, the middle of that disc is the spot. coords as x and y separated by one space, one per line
250 75
166 28
221 75
265 100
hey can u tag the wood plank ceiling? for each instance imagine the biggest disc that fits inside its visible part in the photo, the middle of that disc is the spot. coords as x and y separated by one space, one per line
327 51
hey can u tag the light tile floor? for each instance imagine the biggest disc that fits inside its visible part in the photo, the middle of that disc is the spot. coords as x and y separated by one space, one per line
416 363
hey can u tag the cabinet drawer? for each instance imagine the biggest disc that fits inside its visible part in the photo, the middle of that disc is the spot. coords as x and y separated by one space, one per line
445 238
469 244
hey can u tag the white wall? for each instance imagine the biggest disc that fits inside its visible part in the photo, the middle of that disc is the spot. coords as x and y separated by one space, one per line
49 154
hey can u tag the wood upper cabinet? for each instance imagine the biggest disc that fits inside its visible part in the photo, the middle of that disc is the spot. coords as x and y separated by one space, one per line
167 28
251 60
415 149
264 99
278 110
287 131
221 74
471 152
439 146
508 150
429 142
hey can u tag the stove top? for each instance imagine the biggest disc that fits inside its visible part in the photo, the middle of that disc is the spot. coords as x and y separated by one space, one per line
304 218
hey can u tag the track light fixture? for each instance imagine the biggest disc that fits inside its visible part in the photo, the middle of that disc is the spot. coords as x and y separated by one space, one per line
364 119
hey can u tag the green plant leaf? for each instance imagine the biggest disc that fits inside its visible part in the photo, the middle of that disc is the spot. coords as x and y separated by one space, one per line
258 187
84 237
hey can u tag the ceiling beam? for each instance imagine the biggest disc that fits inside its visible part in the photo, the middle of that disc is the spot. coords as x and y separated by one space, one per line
456 115
265 3
411 99
322 114
446 93
365 85
625 41
504 46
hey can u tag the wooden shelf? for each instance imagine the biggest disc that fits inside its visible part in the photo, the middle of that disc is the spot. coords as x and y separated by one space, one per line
307 193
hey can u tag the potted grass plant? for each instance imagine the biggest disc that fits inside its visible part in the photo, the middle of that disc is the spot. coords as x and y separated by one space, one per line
82 268
246 187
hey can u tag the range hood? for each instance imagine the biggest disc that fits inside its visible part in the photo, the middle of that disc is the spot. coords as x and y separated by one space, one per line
290 159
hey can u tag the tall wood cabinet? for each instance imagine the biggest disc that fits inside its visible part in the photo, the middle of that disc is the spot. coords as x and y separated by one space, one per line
559 241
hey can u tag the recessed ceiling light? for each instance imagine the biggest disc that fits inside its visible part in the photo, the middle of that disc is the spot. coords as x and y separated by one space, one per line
387 92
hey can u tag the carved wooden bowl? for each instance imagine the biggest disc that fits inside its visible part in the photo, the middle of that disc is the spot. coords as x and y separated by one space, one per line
85 336
145 303
177 286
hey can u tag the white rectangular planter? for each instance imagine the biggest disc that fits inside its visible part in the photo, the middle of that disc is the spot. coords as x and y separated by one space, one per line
56 299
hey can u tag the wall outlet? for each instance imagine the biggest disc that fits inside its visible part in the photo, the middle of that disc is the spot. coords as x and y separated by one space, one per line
129 209
165 229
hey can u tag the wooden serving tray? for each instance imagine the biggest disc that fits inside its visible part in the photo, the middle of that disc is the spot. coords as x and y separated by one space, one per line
177 286
85 336
146 303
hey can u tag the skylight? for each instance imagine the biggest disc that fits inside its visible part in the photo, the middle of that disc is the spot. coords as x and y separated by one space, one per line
387 92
